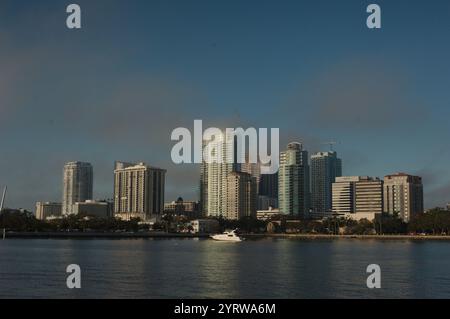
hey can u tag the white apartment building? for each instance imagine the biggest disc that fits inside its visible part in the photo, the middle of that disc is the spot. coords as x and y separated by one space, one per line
138 191
403 194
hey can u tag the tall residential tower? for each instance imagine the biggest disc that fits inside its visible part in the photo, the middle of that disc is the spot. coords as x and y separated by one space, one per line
403 195
218 163
241 196
77 185
138 191
293 181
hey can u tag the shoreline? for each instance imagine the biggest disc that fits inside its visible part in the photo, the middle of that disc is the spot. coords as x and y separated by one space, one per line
349 237
163 235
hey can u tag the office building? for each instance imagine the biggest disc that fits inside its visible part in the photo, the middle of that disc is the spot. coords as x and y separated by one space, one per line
268 185
45 210
403 195
325 167
268 191
92 208
343 195
357 197
293 181
369 196
78 180
138 191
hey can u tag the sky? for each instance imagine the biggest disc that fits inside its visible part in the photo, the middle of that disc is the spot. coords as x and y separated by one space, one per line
115 89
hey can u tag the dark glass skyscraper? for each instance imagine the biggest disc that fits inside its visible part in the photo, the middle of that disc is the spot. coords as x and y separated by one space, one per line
293 181
325 167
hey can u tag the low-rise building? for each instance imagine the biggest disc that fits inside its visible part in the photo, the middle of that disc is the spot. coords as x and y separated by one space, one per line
359 216
180 207
357 197
45 210
102 209
205 226
267 214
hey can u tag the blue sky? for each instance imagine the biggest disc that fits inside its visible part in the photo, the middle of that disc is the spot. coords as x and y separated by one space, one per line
115 89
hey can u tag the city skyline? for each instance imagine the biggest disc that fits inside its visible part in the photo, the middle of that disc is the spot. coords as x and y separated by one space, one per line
117 88
240 168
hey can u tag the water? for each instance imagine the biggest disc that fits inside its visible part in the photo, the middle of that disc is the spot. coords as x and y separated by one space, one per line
193 268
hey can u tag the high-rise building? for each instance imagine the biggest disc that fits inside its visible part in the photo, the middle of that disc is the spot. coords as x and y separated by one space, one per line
254 169
325 167
293 181
268 185
138 191
403 195
268 191
218 163
343 195
357 196
77 185
369 196
47 209
241 196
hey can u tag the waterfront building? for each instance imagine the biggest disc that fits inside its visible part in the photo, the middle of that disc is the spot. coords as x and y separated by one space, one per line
101 209
218 163
44 210
78 180
369 196
181 207
293 181
357 197
343 195
403 195
138 191
241 196
267 214
325 167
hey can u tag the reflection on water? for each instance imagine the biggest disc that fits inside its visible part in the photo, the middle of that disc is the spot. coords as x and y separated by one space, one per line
193 268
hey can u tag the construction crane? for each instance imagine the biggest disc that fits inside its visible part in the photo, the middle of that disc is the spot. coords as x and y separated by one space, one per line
331 143
3 198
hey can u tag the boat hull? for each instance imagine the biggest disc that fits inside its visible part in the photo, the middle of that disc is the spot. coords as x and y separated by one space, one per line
226 238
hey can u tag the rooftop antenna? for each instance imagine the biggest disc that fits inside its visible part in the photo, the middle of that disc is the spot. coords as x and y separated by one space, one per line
3 198
331 143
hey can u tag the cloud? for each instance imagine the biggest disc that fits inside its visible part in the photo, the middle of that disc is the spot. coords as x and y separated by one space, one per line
357 95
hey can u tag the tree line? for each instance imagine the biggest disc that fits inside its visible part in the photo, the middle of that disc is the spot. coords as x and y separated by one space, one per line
434 222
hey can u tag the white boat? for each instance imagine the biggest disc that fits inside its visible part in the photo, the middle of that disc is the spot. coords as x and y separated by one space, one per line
227 236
